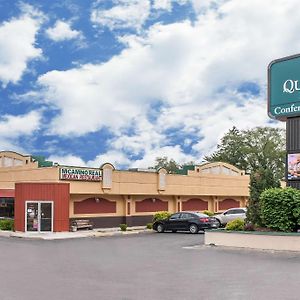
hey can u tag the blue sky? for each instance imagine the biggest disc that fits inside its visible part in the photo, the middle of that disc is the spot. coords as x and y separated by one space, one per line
126 81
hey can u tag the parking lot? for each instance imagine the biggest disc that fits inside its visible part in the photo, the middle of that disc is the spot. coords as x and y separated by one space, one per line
143 266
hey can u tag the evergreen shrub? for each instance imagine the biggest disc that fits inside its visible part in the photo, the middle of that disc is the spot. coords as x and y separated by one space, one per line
280 209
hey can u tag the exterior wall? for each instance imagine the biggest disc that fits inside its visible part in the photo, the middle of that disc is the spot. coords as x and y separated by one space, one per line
279 242
7 193
8 176
95 205
151 205
56 192
126 196
228 203
195 204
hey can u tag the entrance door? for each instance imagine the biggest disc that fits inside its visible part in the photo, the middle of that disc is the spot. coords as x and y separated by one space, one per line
39 216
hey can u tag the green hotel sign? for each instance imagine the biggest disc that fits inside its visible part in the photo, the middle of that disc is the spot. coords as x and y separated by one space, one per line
284 87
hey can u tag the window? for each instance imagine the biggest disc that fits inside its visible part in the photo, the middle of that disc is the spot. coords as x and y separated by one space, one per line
185 216
175 217
232 212
7 207
235 211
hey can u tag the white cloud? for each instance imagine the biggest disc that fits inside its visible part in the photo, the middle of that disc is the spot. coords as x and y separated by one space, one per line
62 31
174 152
17 44
194 69
167 4
13 127
68 160
125 14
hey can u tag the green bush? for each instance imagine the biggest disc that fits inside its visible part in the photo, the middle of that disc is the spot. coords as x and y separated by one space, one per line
209 213
160 215
149 225
6 224
123 227
280 208
249 227
235 225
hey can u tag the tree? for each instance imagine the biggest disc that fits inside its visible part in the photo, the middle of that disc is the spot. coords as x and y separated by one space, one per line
170 165
231 149
260 180
260 152
250 150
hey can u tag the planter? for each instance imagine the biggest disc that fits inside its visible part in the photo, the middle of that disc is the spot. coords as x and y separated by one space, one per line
255 240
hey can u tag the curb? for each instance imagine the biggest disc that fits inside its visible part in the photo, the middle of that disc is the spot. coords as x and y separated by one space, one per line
71 235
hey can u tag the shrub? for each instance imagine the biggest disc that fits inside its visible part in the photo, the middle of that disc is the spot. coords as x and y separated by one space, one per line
249 227
123 227
236 225
149 225
209 213
260 180
160 215
280 208
6 224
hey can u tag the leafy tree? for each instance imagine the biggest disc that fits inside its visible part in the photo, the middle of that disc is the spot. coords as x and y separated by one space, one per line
231 149
250 150
260 180
170 165
260 152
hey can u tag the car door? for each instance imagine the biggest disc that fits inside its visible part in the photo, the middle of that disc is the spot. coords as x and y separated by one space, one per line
232 214
240 213
184 222
173 222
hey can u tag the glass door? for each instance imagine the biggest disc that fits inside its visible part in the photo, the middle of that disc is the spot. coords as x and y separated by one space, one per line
32 216
39 216
46 216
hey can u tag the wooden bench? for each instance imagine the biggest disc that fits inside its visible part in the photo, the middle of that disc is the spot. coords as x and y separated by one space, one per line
81 224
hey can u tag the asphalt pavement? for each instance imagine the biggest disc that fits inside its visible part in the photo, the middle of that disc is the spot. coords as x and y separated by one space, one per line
143 266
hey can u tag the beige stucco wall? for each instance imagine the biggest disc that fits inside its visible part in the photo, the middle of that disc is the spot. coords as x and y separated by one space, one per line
9 177
131 183
129 187
254 241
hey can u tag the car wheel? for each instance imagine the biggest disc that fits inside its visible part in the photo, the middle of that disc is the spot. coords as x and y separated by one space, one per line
219 223
160 228
193 228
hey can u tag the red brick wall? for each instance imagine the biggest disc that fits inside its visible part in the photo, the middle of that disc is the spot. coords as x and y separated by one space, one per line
59 193
228 203
91 206
148 205
195 204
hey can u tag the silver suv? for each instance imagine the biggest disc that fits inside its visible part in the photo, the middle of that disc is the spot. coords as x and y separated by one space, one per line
231 214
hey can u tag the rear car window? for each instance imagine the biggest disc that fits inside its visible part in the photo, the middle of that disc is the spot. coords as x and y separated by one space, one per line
200 215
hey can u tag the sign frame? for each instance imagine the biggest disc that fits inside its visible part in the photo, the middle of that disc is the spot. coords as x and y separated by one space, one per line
81 174
275 61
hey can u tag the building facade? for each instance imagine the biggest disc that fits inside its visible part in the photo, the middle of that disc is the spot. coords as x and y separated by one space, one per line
42 196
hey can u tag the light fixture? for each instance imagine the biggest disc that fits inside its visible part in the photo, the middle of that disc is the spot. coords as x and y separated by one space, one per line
153 200
97 200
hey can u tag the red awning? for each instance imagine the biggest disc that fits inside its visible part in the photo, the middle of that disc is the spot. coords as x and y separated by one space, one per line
7 193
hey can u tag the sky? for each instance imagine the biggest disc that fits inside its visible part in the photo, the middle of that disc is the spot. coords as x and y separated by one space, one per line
84 82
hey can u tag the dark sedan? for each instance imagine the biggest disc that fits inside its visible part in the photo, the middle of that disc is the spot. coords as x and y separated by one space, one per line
186 221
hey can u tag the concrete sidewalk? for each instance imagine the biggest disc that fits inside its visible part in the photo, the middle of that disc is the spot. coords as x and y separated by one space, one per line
99 232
